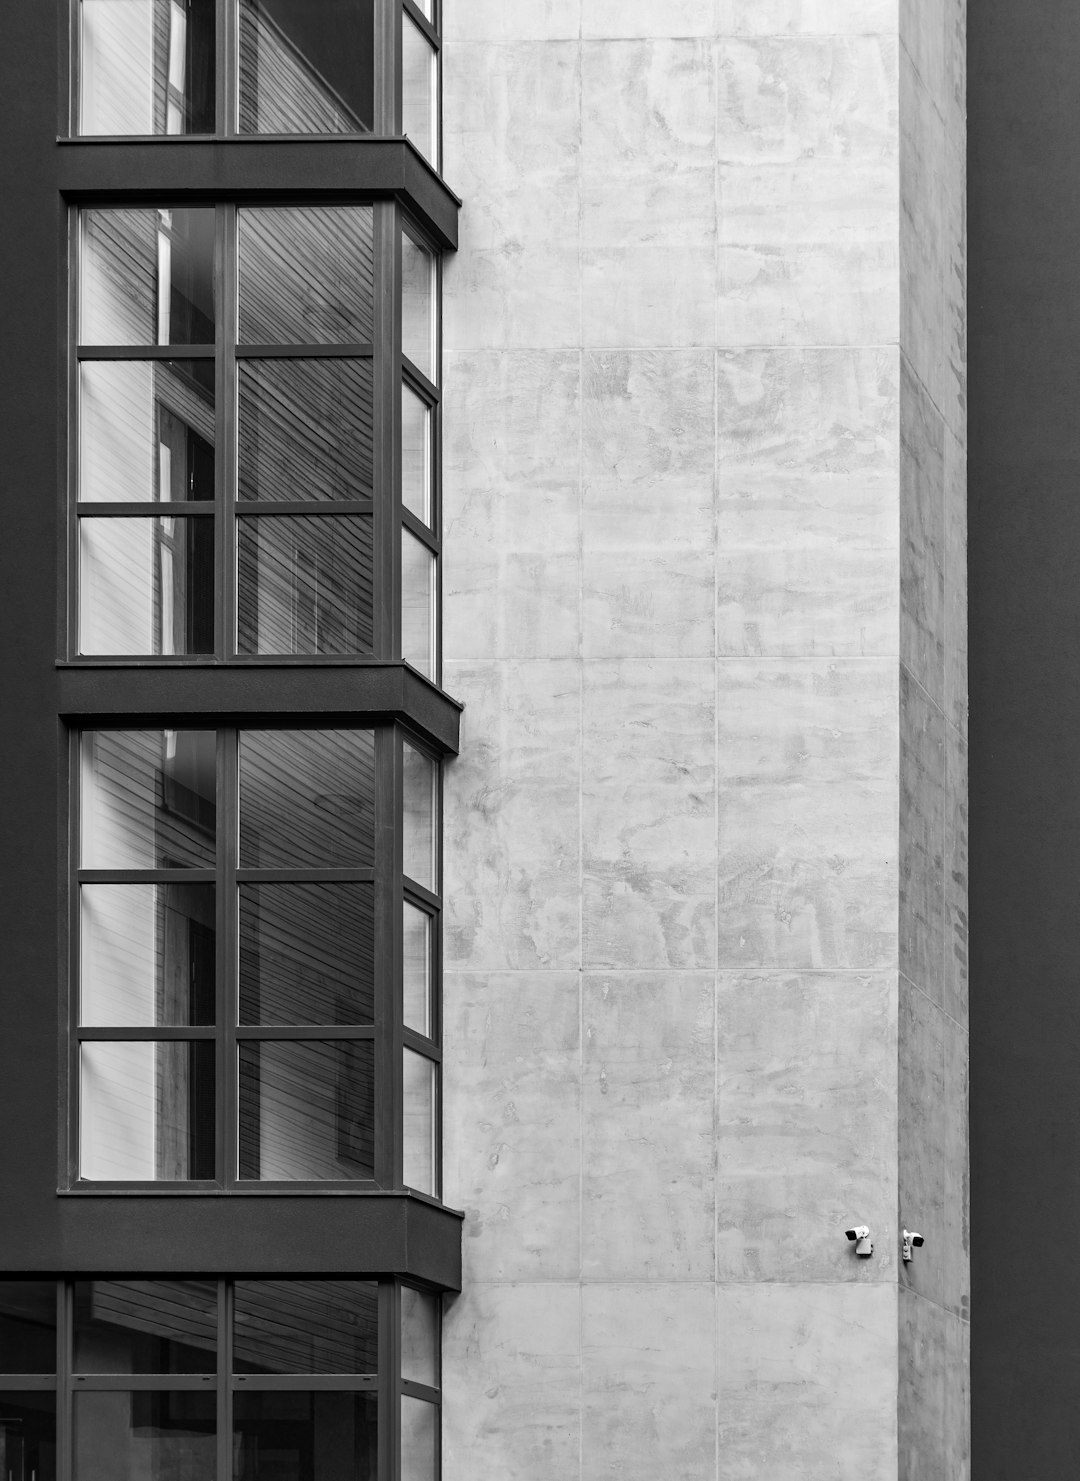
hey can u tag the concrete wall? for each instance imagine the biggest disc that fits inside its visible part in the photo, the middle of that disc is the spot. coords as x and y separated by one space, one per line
702 838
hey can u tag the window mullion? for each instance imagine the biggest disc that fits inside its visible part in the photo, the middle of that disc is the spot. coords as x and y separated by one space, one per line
224 1380
227 955
225 597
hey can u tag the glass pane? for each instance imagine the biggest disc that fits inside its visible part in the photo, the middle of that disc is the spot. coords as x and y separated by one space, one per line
145 1326
146 430
307 275
418 1117
417 930
28 1436
146 586
419 110
27 1327
417 305
148 799
415 455
146 1111
418 830
307 953
306 1326
147 67
417 604
152 1435
147 955
419 1439
305 585
305 1437
307 1110
306 66
147 277
307 799
305 429
419 1336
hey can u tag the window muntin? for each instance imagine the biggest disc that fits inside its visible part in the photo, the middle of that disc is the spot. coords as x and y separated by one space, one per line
295 1376
232 494
229 1011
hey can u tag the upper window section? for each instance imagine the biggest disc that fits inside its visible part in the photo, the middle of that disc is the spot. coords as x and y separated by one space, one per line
273 67
147 66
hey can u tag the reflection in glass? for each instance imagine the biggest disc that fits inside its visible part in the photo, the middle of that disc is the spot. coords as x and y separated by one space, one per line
151 1434
415 455
307 275
148 799
306 66
307 953
146 67
305 585
147 277
417 305
417 927
305 1437
418 1122
419 1439
28 1436
417 604
307 1110
307 799
305 429
419 98
306 1326
146 430
418 820
419 1336
27 1327
146 586
145 1326
146 955
146 1111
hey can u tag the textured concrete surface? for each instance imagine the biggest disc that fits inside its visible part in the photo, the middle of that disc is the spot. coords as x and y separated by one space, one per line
704 601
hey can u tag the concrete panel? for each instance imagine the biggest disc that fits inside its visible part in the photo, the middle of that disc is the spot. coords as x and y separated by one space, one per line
922 839
512 818
956 585
511 491
649 1126
512 1382
807 1382
511 143
956 877
921 1395
806 1118
493 20
922 1111
955 1255
922 537
922 229
648 1382
807 829
649 814
512 1121
808 456
805 17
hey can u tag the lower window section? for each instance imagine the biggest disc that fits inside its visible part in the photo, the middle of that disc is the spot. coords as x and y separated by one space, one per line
219 1380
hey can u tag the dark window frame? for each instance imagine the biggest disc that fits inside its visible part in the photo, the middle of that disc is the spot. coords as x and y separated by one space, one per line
386 1383
387 1032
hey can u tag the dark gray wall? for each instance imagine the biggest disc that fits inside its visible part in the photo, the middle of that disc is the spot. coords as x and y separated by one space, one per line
1024 506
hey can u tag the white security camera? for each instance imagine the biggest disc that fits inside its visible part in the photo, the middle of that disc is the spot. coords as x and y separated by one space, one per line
911 1241
860 1235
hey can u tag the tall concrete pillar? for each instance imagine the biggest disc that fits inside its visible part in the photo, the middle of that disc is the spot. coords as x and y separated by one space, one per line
705 957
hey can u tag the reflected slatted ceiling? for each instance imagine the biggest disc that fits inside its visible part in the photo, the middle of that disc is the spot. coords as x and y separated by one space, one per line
307 799
118 284
175 1310
307 1110
280 91
307 954
306 430
307 275
307 1327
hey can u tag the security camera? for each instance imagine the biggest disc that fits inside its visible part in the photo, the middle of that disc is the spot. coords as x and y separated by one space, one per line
860 1235
911 1241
